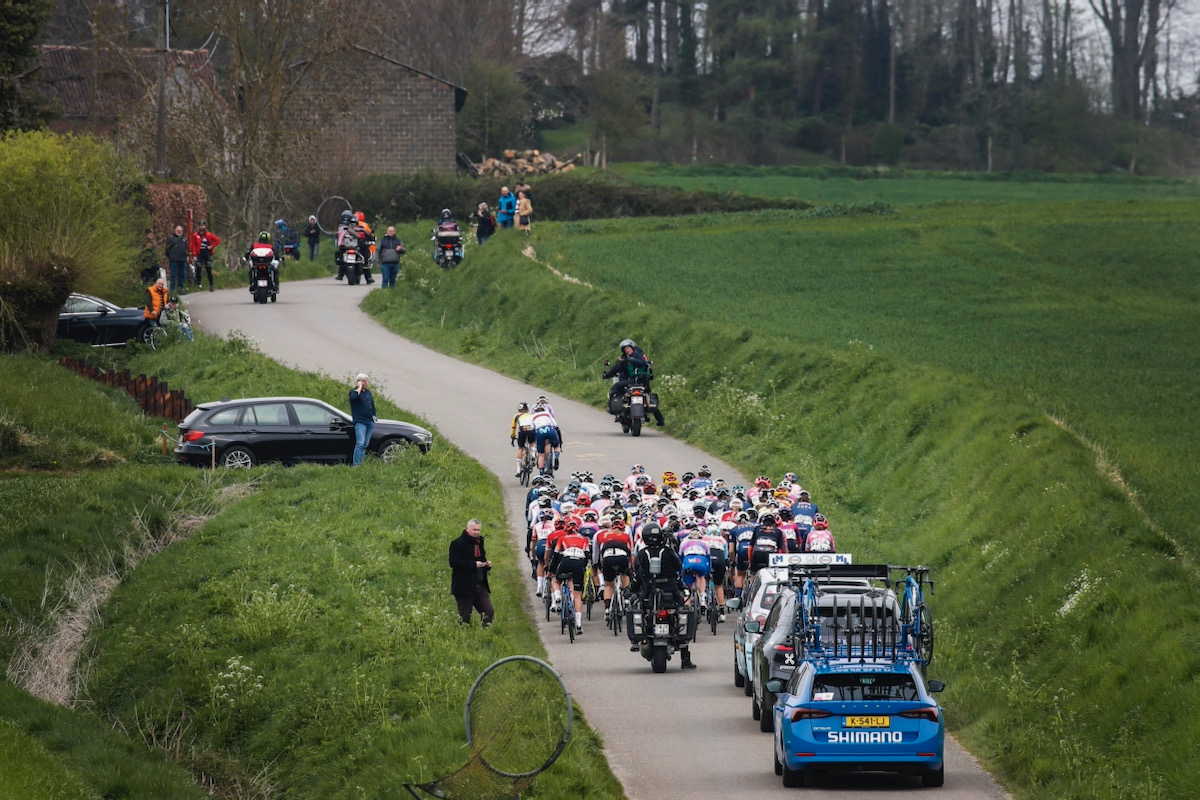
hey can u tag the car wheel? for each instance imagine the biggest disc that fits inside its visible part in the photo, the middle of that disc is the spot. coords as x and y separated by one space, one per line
792 778
147 334
748 689
238 457
392 449
778 763
755 708
766 718
739 680
934 779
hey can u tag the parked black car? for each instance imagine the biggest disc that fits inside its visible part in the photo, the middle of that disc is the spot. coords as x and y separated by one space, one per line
100 323
288 429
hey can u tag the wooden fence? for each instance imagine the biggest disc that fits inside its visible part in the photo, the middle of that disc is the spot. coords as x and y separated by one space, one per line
152 395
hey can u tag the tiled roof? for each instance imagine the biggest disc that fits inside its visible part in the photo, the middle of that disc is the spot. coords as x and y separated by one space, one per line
68 74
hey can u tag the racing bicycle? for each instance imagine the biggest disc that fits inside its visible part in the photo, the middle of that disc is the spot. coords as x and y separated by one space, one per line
916 621
567 620
591 592
616 609
528 463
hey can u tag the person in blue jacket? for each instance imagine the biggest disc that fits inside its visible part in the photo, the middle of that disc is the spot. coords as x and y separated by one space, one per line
362 409
506 208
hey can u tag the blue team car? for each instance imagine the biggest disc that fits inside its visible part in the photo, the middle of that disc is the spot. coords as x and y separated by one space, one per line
856 713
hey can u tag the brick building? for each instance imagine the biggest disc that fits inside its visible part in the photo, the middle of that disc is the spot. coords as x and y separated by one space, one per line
405 121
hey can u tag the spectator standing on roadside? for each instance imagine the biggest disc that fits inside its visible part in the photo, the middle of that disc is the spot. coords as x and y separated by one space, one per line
506 208
157 300
487 224
524 212
390 250
177 253
201 248
524 187
362 410
313 233
469 579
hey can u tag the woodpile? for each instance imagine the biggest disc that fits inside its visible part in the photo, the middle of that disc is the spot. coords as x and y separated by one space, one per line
527 162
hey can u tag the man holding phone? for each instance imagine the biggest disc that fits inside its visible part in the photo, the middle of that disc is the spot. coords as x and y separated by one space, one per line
362 409
469 581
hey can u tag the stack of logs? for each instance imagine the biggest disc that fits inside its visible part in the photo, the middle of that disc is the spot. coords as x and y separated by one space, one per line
527 162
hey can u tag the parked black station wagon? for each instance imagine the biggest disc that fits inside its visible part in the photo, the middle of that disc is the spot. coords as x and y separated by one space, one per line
288 429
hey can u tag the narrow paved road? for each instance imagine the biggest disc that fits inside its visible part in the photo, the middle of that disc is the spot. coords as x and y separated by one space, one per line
678 735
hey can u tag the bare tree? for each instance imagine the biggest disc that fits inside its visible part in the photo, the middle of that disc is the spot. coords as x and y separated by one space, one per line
1133 27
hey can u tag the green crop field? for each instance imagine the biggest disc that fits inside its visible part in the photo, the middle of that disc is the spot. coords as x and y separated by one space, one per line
824 185
1001 390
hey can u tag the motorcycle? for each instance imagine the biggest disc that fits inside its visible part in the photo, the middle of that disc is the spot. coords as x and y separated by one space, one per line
352 260
633 408
264 281
658 628
448 248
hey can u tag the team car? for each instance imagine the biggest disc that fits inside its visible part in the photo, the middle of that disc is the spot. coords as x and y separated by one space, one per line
858 714
753 606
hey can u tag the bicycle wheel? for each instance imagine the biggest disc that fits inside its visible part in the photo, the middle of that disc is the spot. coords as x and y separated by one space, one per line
923 635
618 611
713 612
546 593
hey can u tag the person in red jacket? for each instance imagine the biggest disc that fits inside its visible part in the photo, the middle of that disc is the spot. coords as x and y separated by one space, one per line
201 247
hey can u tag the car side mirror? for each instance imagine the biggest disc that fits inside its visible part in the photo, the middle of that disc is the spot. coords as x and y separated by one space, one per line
775 686
734 603
753 626
101 309
937 686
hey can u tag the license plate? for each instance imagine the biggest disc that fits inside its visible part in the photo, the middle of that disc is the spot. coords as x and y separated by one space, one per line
868 722
262 282
637 401
662 630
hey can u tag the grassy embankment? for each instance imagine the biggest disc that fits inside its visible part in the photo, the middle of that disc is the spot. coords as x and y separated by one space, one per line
1066 615
296 638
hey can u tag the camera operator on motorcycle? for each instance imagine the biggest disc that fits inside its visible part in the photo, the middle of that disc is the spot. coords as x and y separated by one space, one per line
345 231
262 253
666 579
632 367
447 230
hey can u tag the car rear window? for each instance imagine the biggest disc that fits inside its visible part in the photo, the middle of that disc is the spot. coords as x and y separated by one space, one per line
226 416
864 686
770 594
273 414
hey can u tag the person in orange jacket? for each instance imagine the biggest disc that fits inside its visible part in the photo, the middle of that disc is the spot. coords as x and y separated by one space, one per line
201 247
156 301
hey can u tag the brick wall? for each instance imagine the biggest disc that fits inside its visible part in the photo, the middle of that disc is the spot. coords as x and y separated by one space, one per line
405 123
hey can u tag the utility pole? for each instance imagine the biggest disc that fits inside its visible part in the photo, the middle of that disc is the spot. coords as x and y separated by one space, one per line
160 150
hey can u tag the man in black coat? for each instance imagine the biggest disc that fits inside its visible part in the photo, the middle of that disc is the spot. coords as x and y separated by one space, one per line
469 581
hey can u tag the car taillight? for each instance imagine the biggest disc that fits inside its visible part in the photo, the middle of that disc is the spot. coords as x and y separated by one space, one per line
808 713
930 713
191 436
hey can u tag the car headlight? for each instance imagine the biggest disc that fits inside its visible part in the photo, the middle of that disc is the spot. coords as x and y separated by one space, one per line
425 437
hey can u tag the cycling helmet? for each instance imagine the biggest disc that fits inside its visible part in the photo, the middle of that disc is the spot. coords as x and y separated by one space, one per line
791 476
652 535
587 477
645 508
650 488
446 214
785 514
618 522
688 477
669 479
522 406
762 482
583 499
723 491
590 515
819 518
571 524
638 469
545 502
704 471
743 516
546 515
609 478
804 492
736 504
821 525
767 519
641 480
542 400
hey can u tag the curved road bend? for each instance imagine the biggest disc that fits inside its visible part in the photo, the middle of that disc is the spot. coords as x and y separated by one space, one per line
691 732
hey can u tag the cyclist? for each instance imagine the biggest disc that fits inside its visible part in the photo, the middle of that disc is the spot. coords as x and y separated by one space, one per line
820 540
545 429
550 563
768 539
616 558
741 535
573 548
790 532
693 552
631 482
521 432
718 549
703 478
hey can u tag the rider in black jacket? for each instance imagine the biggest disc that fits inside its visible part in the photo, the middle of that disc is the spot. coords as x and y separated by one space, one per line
632 367
666 579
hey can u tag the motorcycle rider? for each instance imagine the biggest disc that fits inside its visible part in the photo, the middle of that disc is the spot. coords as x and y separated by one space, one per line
447 229
666 578
346 240
366 245
631 367
261 254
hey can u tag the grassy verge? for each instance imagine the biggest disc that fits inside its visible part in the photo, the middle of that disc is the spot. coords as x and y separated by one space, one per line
1061 613
296 639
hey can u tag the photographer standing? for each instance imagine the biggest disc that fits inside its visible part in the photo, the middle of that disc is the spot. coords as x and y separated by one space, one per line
469 581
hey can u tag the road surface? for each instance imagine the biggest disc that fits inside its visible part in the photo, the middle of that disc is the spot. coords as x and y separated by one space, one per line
676 735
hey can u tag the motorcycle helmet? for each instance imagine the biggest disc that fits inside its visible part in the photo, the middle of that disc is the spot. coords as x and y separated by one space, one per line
360 216
626 343
347 216
264 237
446 214
652 535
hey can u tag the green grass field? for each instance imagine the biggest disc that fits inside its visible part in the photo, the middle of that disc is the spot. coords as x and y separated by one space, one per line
297 638
957 387
827 185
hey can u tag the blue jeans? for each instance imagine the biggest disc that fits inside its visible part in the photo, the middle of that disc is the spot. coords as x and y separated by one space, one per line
313 248
506 223
178 275
362 437
388 272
